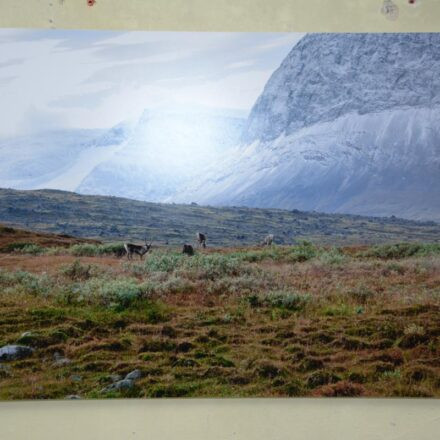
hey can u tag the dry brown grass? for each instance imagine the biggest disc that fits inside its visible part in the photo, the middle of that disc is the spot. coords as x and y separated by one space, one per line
369 328
10 235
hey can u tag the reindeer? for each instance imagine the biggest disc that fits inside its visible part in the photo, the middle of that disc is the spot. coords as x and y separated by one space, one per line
188 250
201 239
268 240
131 249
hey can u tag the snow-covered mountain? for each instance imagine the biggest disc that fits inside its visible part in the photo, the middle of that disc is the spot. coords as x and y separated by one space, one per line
166 150
58 159
348 123
150 159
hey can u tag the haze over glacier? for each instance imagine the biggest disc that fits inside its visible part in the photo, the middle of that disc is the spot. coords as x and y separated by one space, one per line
348 123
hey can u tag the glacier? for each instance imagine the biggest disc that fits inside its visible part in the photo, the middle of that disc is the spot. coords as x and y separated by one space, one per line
167 149
56 159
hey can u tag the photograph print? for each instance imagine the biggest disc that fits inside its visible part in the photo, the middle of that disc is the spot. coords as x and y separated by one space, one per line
219 214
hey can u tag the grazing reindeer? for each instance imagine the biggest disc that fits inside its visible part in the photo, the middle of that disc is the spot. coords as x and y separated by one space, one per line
188 250
201 239
268 240
136 249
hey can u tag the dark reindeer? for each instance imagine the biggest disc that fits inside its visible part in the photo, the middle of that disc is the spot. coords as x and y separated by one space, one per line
268 240
131 249
201 239
188 250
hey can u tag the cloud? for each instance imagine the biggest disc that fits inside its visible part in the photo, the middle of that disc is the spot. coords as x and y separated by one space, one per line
35 120
238 91
123 52
240 64
284 40
87 79
11 62
6 80
85 100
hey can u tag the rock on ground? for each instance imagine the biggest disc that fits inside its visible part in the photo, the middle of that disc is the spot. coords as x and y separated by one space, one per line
15 352
123 384
134 375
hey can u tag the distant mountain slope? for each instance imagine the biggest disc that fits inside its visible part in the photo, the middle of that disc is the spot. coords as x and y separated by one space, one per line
348 123
113 218
150 159
166 150
55 159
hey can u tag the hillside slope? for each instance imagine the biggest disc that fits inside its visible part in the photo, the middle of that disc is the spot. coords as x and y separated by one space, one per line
15 238
113 218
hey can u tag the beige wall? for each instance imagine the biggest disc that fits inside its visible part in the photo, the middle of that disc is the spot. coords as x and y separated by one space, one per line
239 419
221 15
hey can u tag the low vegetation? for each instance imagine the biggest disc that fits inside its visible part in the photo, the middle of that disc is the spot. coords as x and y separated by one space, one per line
301 320
118 219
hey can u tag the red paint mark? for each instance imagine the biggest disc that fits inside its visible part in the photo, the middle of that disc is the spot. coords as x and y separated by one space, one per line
91 2
411 2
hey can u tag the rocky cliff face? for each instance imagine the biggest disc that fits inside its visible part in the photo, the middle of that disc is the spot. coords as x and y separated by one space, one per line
348 123
326 76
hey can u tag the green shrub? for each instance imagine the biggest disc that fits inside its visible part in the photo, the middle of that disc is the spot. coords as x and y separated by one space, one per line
23 248
163 263
402 250
295 387
175 285
32 249
214 266
77 271
27 282
119 293
111 248
123 292
333 257
156 312
250 256
303 252
56 250
280 299
267 253
95 250
197 267
83 250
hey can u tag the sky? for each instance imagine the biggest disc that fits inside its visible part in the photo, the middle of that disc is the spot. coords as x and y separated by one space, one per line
56 79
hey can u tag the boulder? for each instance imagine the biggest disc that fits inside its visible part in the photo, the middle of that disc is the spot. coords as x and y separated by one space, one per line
134 375
120 385
15 352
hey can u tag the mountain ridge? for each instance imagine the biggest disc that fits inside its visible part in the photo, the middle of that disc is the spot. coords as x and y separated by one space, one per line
359 135
115 218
